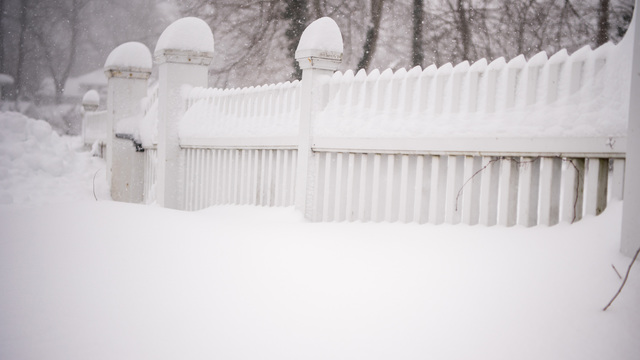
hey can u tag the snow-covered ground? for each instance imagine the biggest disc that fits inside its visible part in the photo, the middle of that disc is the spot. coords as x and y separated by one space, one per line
87 279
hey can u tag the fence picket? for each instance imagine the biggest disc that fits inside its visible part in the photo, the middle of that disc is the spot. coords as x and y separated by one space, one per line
596 185
437 196
573 189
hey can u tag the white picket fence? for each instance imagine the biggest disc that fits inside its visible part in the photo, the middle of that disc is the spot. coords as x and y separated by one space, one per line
447 179
502 143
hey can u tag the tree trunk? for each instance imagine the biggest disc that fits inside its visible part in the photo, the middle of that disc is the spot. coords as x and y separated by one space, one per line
417 56
603 22
317 9
296 12
2 70
22 45
463 29
370 42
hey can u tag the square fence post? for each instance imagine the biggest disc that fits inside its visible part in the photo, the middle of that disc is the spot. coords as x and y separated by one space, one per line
319 54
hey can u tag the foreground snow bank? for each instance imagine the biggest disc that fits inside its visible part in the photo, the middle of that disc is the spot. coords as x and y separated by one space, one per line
86 279
39 166
108 280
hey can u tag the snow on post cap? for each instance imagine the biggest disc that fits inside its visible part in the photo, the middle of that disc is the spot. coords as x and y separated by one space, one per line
186 34
322 39
91 97
131 55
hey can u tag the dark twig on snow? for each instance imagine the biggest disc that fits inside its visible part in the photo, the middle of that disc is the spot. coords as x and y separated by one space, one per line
616 270
623 281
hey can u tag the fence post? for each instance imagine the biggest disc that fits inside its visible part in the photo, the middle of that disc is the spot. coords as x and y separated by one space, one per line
90 103
319 54
127 68
183 54
630 241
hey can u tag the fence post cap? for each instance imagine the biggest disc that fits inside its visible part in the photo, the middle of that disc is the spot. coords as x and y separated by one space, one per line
129 60
188 40
91 100
320 45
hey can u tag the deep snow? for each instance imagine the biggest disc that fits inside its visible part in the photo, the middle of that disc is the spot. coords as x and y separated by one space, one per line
81 278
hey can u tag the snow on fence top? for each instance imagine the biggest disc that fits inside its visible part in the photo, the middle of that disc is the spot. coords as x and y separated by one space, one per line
268 110
186 34
577 95
133 55
582 94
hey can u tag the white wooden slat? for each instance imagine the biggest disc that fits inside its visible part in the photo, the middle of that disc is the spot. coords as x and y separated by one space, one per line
418 190
362 204
338 196
529 181
508 191
617 180
437 196
488 194
596 186
573 171
404 189
388 199
187 182
236 176
326 214
286 168
350 191
244 177
453 186
262 198
277 201
466 192
270 175
197 180
224 174
210 177
193 161
375 195
548 208
292 182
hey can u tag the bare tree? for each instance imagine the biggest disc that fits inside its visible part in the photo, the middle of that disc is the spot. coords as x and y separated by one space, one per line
603 22
296 13
22 48
371 40
417 55
59 37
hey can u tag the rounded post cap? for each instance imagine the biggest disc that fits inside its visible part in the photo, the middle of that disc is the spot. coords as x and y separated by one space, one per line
90 99
320 45
186 40
130 56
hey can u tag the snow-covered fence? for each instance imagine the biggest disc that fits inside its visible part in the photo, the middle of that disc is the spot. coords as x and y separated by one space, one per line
245 151
507 142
